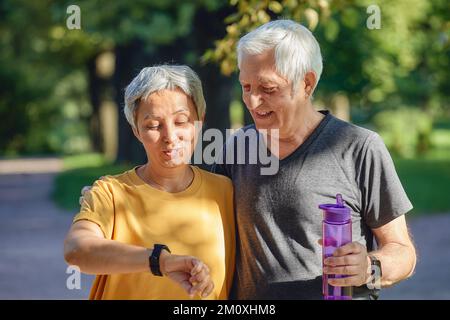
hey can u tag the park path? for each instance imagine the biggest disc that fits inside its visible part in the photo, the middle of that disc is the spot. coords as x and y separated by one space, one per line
32 230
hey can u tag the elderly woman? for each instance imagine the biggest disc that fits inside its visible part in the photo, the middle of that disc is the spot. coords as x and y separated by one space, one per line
128 222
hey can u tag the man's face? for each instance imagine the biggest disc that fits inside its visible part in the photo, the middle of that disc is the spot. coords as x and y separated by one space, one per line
267 95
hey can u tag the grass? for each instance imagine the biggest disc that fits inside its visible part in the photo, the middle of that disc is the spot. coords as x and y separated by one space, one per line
427 179
81 170
427 183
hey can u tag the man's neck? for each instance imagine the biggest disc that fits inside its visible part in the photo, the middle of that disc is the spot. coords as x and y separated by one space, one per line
307 121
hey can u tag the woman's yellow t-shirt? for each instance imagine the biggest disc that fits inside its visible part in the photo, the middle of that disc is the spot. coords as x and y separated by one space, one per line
198 221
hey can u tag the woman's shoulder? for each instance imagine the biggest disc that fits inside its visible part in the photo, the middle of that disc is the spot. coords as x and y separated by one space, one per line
110 182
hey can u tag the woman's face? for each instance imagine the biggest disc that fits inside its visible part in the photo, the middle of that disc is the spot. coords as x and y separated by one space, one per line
165 126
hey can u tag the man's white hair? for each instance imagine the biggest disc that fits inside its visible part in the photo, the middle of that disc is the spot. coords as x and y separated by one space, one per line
296 50
156 78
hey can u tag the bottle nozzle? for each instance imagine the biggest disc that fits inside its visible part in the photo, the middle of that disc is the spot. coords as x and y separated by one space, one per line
339 200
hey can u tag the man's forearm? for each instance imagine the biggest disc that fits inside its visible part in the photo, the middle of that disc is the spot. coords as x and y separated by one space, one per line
397 262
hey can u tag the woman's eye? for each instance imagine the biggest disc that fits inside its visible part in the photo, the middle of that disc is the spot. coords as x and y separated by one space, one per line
181 121
153 127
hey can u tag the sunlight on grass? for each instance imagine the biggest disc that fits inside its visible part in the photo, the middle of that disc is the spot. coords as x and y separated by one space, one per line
427 179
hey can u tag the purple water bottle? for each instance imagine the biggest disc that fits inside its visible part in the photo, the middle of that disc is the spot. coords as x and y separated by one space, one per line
336 231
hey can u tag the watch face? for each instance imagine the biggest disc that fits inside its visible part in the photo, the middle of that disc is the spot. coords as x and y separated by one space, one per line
375 277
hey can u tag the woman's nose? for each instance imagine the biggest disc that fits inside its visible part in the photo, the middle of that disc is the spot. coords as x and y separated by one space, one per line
169 134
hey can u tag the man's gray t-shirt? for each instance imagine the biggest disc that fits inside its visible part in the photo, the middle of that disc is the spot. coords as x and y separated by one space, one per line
277 216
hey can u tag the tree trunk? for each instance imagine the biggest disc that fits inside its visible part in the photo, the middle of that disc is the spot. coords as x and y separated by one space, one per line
94 87
128 62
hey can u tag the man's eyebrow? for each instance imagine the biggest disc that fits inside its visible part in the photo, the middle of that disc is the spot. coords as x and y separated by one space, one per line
266 80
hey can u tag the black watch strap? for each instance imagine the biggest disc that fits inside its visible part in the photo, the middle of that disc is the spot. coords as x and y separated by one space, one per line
154 259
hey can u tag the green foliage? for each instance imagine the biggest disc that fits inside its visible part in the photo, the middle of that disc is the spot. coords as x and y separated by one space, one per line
44 103
236 113
406 62
406 131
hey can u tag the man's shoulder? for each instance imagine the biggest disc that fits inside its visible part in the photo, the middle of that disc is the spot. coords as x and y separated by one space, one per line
342 127
342 133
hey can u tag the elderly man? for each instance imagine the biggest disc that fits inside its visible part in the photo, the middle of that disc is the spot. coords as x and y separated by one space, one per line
277 216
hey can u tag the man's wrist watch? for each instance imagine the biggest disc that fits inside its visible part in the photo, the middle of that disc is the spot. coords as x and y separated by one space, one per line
154 259
375 277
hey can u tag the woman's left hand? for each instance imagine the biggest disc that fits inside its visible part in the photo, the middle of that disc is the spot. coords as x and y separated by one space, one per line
189 272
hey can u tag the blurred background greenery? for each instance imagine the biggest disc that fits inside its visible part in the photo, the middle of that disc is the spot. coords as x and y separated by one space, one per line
61 90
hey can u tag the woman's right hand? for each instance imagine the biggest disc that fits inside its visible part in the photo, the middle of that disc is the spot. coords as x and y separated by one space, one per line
189 272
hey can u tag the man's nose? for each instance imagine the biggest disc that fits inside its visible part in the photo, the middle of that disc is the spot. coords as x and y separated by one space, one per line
254 101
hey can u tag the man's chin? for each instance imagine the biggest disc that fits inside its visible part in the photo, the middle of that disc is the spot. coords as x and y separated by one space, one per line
265 126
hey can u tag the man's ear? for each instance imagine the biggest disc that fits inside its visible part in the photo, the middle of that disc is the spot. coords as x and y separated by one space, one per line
310 81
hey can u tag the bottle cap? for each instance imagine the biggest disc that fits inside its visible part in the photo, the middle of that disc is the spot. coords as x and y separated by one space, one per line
336 212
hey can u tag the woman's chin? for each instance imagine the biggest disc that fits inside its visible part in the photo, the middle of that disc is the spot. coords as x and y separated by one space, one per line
175 162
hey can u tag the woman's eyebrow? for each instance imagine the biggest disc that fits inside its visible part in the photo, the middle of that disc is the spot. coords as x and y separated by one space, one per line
151 115
154 116
183 109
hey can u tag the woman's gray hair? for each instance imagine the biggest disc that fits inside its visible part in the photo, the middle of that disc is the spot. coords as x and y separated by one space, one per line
296 50
156 78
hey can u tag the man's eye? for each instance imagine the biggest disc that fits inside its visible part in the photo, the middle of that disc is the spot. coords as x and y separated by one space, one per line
269 90
246 88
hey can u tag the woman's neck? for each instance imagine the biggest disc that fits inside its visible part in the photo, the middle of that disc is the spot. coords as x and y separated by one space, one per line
170 180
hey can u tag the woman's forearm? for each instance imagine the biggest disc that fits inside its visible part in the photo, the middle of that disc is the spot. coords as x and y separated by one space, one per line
102 256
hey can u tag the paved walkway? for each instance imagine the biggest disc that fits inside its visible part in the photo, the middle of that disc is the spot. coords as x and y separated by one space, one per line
432 278
32 230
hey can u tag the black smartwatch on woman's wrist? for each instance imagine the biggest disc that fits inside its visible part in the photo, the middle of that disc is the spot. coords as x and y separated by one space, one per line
154 259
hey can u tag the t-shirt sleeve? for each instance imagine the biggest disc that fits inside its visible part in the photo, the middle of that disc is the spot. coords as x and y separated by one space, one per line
97 207
383 196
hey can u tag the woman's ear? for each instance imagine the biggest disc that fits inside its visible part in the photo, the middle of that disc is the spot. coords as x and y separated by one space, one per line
136 133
